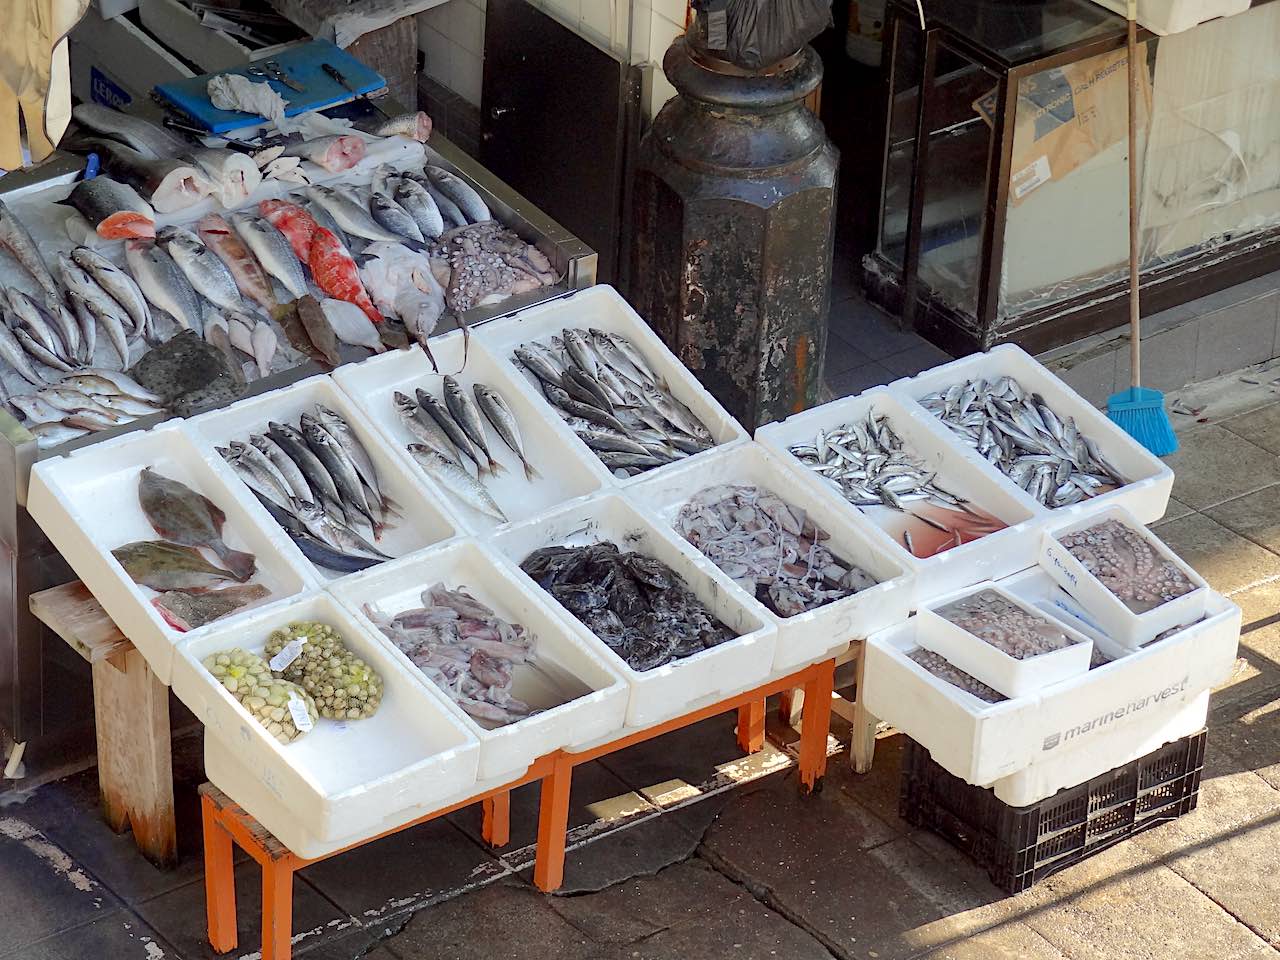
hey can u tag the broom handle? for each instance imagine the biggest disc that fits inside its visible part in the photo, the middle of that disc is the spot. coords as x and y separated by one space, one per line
1135 323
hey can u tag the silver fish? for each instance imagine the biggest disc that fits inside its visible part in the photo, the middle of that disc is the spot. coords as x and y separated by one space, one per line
423 426
209 276
338 534
163 283
675 412
415 200
581 353
464 197
252 464
341 469
285 466
456 434
538 365
390 215
56 432
273 252
40 352
37 321
341 430
35 409
68 330
123 383
122 287
467 415
351 216
87 322
15 238
504 423
295 446
456 481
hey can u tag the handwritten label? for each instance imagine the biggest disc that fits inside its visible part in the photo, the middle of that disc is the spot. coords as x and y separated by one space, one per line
290 652
301 716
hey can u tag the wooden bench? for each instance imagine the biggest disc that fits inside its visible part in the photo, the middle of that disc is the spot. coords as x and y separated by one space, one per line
131 712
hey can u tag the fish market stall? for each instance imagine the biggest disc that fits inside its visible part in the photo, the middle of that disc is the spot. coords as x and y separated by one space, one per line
36 199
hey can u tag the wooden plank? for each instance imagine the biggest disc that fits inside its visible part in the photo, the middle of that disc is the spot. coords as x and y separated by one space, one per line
72 613
135 767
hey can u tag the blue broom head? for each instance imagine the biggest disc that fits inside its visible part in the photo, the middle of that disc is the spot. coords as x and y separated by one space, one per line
1139 412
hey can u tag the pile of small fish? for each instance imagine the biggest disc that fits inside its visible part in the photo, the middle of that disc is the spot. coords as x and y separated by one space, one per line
641 608
451 435
87 401
174 566
870 466
610 397
1020 435
467 650
319 483
944 669
1005 625
1127 564
770 547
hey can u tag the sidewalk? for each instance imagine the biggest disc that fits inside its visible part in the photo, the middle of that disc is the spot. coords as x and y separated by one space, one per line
740 866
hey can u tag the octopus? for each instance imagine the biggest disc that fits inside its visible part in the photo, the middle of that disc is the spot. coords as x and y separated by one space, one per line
488 262
1004 624
1126 563
944 669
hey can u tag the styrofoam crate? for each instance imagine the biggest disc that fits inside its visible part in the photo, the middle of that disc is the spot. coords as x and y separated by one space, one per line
1102 607
567 663
988 558
87 505
1174 16
342 777
424 520
1072 767
824 631
1149 478
987 662
981 742
604 308
681 685
565 470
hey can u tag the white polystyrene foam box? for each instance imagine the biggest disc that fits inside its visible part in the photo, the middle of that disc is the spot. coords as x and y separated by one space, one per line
980 742
825 631
565 470
579 695
1150 480
987 662
990 557
602 307
424 517
1175 16
684 684
87 505
1104 609
1075 766
342 777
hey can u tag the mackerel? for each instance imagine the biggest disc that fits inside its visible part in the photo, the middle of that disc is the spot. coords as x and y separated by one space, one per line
285 466
504 423
456 434
423 427
467 414
456 481
350 443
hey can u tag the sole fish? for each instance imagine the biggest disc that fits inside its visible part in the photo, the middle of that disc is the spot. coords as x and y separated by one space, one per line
456 481
317 328
14 236
246 272
114 210
163 283
183 516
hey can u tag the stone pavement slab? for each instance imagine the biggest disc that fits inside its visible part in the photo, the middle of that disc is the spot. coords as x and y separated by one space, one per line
1255 516
1176 510
1213 464
1248 731
1225 559
1009 940
118 936
1260 427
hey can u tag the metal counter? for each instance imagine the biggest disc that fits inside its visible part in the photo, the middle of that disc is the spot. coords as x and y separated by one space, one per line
28 708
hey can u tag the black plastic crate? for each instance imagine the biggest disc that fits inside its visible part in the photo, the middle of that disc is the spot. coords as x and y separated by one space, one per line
1020 846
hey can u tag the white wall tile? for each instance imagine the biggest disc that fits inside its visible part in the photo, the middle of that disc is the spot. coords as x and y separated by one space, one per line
466 26
661 32
435 47
437 18
673 10
597 21
468 75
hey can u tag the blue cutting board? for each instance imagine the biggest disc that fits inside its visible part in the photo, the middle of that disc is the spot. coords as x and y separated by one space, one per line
301 63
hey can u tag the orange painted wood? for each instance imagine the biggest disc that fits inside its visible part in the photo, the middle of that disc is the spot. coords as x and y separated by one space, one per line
751 726
553 823
219 880
815 724
277 910
496 827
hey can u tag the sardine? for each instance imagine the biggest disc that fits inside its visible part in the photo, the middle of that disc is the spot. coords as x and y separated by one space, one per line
504 423
253 466
209 276
341 431
295 446
456 481
340 468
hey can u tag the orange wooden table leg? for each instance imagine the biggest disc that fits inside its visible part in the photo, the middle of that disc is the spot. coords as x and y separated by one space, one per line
553 824
277 909
785 707
815 723
751 726
219 880
496 828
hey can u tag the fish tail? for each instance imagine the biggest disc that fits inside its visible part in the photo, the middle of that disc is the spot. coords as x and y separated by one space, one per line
390 508
240 564
530 473
495 467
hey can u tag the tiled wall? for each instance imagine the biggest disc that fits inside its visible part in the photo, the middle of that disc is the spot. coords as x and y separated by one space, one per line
451 37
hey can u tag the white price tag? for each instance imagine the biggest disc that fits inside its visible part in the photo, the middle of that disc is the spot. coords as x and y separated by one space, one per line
289 653
298 710
1030 177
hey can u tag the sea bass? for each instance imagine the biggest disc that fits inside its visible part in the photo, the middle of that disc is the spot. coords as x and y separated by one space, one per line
352 217
185 517
335 154
207 273
245 270
163 283
114 210
415 200
460 192
335 273
273 252
161 565
15 238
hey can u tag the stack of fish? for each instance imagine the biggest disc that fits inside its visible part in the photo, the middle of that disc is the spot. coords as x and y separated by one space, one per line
451 440
610 397
183 577
319 483
641 608
467 650
87 401
1020 435
770 547
870 466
